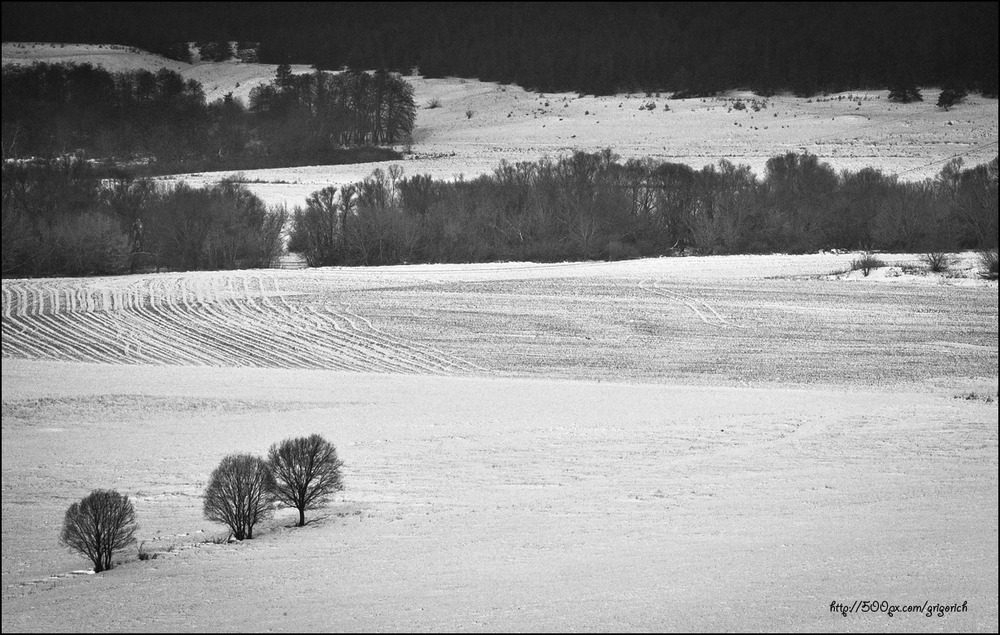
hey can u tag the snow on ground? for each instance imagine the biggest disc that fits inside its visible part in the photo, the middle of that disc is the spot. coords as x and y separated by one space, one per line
670 444
217 78
849 130
702 443
736 318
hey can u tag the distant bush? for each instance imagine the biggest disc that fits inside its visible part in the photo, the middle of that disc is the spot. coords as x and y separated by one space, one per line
434 103
937 261
215 51
866 263
146 555
99 525
905 94
950 97
988 262
239 494
179 51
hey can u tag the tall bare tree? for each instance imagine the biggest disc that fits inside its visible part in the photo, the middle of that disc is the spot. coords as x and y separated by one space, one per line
239 494
100 524
306 473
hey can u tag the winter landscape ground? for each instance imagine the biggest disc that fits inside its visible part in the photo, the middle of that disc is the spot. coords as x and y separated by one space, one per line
696 443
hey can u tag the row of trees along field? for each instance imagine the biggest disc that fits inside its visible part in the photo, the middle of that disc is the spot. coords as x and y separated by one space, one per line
61 219
158 123
300 473
591 206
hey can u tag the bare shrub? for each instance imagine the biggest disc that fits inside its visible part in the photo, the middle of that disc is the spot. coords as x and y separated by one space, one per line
937 261
988 261
100 524
239 494
89 244
305 471
866 263
434 103
146 555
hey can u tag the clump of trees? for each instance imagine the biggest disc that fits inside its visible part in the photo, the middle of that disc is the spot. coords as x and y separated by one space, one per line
242 491
100 524
301 473
594 206
352 108
61 218
159 123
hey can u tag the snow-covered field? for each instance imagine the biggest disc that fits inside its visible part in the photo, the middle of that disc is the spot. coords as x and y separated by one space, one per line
698 443
684 443
849 130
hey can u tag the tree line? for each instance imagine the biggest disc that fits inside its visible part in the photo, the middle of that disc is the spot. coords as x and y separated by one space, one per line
61 219
593 47
594 206
159 123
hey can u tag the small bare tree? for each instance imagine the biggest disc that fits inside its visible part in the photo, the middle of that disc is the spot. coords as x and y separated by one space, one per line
239 494
306 473
99 525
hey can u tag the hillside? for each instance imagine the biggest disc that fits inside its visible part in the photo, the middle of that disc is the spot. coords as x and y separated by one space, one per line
476 124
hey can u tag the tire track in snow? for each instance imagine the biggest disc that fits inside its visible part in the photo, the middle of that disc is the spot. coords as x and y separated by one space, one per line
714 319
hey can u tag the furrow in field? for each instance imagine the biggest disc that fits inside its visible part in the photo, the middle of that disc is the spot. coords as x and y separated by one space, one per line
234 338
178 328
327 336
277 332
139 339
445 360
65 336
23 341
157 341
8 301
313 342
386 347
199 335
260 334
225 319
370 356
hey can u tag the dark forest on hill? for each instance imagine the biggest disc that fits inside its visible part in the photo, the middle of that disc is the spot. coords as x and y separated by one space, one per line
594 48
158 123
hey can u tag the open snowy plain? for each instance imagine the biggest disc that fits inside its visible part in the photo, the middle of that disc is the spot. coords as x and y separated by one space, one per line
697 443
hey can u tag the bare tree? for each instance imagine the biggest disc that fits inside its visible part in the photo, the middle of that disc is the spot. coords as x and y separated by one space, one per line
239 494
99 525
306 473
